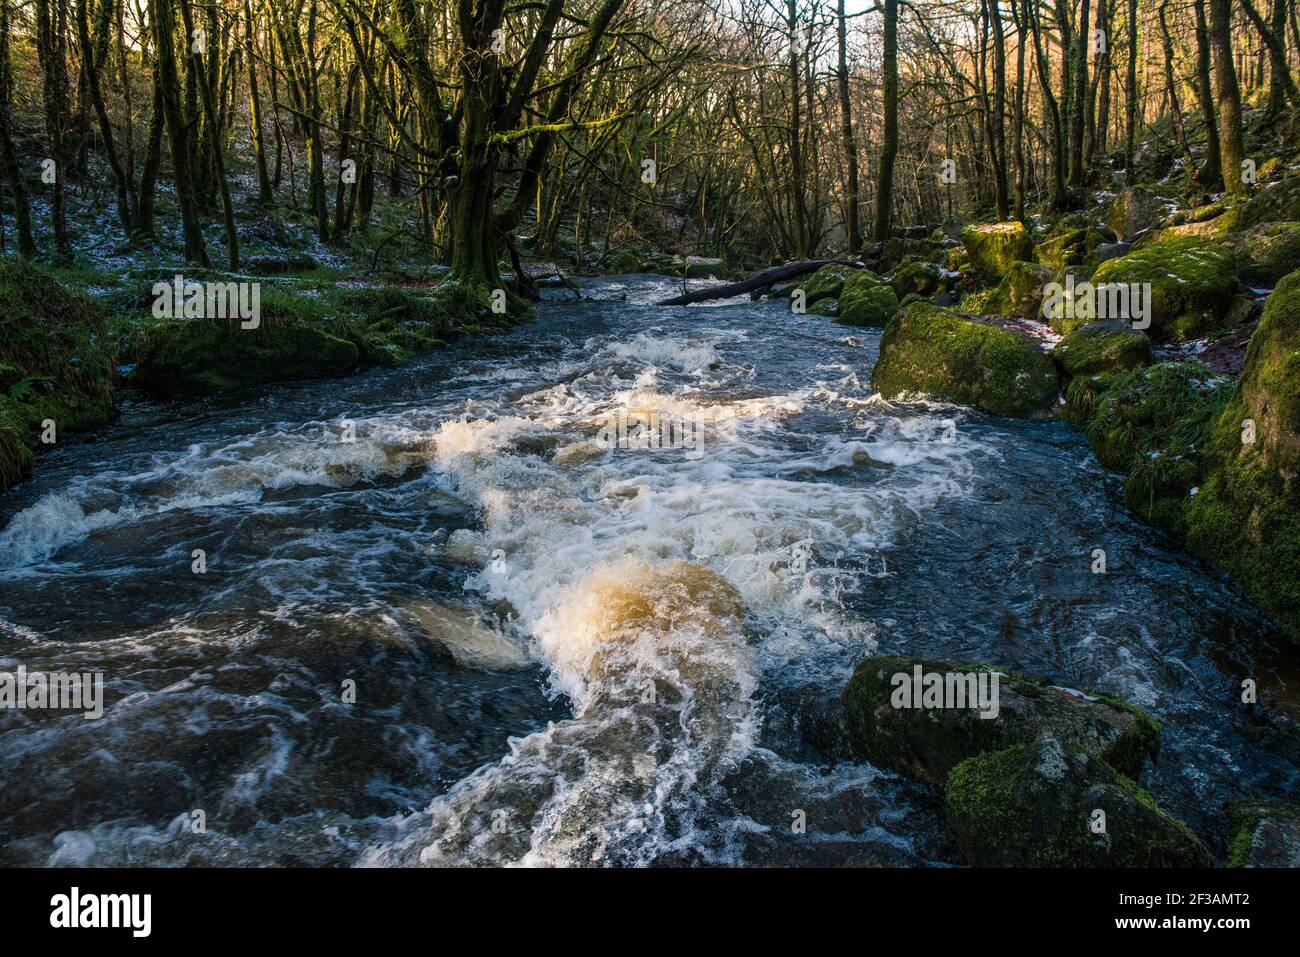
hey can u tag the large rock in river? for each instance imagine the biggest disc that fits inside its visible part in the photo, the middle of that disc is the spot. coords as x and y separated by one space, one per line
927 348
1049 803
928 742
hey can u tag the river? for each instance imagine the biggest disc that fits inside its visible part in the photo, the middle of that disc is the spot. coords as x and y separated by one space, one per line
438 624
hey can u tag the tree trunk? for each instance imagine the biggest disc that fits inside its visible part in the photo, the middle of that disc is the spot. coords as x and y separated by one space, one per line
51 51
889 135
1210 175
264 195
852 224
162 17
1131 95
1229 96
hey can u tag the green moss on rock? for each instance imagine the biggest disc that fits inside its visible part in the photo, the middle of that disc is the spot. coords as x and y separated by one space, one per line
1020 293
927 348
825 283
291 341
993 248
1075 249
1192 282
1134 210
1036 804
922 278
927 743
1109 346
1269 252
866 301
1263 834
57 362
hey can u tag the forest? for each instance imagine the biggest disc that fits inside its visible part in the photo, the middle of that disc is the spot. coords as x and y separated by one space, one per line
355 344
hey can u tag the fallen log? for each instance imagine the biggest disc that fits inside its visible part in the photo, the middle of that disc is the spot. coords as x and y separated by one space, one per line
760 280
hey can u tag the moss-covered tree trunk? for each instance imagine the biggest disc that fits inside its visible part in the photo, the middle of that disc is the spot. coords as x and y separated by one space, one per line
1229 96
1079 96
264 194
852 224
1131 96
1210 175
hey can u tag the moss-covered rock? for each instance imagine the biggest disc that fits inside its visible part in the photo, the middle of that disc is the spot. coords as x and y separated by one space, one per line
1049 803
1192 283
1134 210
200 356
1246 514
866 301
1020 293
57 362
1268 253
825 283
927 348
389 324
922 278
1263 834
927 743
993 248
1108 346
1075 249
1150 425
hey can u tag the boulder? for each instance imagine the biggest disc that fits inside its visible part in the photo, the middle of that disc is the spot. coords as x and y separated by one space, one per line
1108 346
993 248
922 278
1268 253
927 743
1135 210
1049 803
825 283
1246 514
1264 834
1075 248
57 362
200 356
928 348
1020 293
1192 284
866 301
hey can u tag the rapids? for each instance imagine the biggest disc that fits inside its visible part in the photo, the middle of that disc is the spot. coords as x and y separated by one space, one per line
568 654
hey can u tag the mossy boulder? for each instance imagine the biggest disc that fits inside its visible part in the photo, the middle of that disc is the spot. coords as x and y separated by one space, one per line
389 324
1150 424
928 742
1246 514
826 283
1108 346
1049 803
866 301
994 247
1020 293
1263 834
200 356
1268 253
927 348
1192 284
1217 220
922 278
1135 210
1074 249
57 362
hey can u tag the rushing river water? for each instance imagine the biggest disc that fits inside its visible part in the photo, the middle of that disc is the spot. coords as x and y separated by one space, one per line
565 654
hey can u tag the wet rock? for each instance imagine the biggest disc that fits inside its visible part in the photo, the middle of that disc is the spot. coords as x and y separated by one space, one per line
1048 803
1264 834
1107 346
928 348
993 248
927 743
